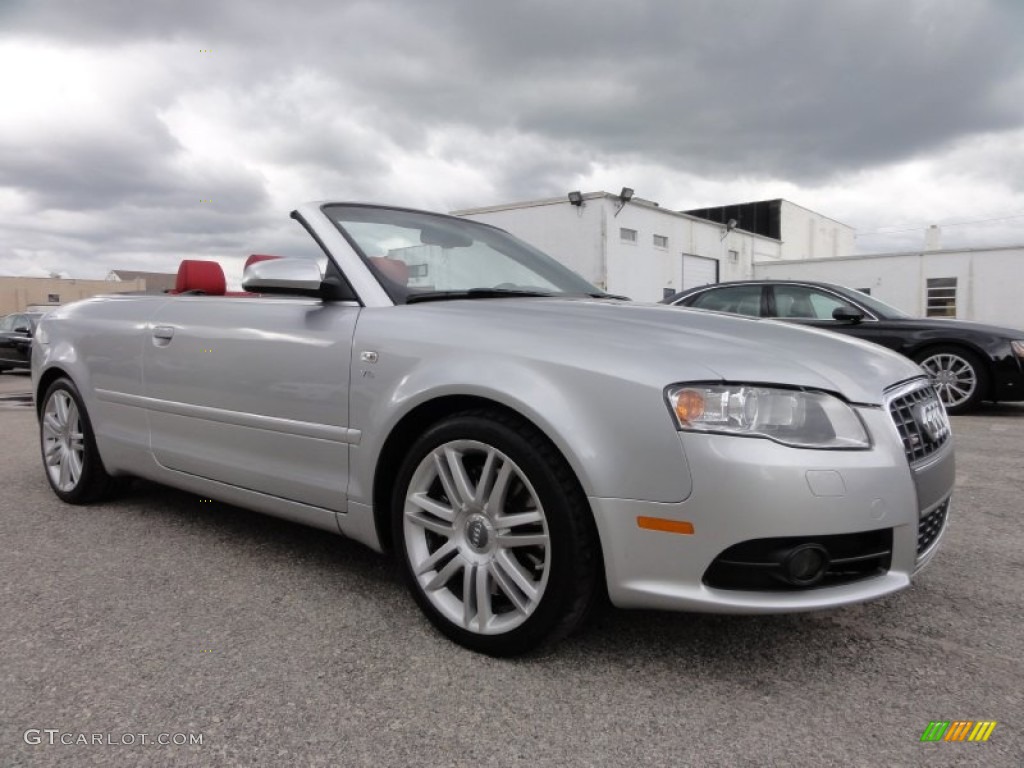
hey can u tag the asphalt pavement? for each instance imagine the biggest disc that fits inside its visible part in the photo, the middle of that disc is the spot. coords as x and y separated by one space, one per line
164 615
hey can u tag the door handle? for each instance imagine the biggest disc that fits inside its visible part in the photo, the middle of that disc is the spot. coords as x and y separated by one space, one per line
163 332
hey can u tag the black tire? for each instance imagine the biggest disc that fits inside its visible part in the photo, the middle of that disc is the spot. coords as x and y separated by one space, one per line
564 571
959 376
91 482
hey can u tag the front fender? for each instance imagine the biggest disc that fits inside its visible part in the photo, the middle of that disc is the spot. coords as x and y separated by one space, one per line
615 433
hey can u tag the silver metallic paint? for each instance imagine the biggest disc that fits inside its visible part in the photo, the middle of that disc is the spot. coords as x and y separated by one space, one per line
281 273
284 360
241 423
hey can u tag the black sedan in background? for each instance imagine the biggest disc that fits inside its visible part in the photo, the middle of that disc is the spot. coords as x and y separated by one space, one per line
968 362
16 339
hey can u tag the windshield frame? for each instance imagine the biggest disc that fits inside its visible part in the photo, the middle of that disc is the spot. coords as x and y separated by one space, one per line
567 283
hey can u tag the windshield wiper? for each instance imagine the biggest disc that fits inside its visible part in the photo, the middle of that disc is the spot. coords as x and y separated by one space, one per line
475 293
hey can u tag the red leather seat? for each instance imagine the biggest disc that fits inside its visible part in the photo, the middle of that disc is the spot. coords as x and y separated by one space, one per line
203 276
393 269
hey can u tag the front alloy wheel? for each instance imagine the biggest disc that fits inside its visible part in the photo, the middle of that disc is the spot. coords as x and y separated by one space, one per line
477 537
494 534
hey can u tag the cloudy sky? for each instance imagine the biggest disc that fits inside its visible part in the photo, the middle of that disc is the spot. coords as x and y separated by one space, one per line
134 134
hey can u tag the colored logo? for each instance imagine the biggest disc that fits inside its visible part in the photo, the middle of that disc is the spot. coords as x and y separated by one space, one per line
958 730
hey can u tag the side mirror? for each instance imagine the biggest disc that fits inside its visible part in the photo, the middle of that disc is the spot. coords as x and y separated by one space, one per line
23 329
293 277
847 315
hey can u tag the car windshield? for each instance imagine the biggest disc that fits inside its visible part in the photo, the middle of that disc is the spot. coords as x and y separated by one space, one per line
421 256
880 308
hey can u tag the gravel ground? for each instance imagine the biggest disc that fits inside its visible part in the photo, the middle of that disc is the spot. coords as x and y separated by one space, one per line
280 645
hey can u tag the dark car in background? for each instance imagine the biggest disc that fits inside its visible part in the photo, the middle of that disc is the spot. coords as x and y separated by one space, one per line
968 362
16 332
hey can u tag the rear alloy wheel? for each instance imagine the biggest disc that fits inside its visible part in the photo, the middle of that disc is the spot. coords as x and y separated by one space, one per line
70 457
493 534
959 378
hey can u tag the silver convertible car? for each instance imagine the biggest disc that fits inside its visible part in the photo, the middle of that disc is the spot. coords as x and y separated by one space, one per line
522 441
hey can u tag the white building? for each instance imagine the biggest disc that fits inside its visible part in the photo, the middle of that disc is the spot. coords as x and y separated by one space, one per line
636 248
981 284
630 246
805 234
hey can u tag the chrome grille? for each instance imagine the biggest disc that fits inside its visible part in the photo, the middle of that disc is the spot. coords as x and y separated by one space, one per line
920 419
930 526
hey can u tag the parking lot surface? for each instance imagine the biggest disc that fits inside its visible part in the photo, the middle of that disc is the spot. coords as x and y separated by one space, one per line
278 645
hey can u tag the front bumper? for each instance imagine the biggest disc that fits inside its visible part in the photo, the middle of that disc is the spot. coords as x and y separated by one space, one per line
746 489
1007 378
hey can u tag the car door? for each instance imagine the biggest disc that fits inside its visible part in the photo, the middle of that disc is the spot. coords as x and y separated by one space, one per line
15 343
813 306
253 392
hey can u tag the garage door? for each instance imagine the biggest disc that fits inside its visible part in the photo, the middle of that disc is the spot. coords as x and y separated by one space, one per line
699 270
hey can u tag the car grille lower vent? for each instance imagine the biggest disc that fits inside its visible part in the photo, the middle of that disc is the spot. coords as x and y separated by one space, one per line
929 527
921 420
801 562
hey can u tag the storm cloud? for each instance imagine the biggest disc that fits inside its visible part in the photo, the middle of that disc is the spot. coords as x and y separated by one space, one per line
135 134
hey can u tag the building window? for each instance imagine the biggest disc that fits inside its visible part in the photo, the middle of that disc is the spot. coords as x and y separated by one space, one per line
734 256
627 235
941 297
53 298
660 241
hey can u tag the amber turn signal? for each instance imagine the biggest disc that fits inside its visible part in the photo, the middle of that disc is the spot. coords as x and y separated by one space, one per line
666 526
689 406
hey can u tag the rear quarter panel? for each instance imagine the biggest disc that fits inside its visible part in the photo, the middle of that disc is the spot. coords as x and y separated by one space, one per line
98 344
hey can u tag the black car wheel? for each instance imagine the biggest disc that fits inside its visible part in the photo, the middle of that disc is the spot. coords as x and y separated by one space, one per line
959 377
494 534
72 461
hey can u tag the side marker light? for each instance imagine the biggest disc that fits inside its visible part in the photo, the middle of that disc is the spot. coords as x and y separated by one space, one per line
665 526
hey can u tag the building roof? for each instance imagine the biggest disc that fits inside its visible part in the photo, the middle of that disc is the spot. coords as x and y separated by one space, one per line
528 204
155 281
715 212
980 250
637 201
130 274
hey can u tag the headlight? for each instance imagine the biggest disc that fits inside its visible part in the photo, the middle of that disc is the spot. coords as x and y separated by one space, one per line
1018 348
792 417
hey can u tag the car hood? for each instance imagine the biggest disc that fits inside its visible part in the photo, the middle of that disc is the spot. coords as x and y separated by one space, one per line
662 345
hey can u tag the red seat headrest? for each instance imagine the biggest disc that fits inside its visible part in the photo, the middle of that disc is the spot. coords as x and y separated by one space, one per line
205 276
393 269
